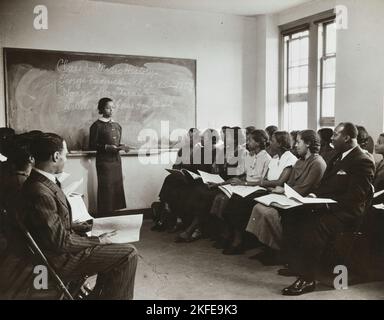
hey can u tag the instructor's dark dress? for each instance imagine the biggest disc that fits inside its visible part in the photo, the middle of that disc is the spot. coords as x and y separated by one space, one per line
110 191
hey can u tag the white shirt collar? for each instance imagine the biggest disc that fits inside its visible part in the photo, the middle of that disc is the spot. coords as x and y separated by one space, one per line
346 153
48 175
106 119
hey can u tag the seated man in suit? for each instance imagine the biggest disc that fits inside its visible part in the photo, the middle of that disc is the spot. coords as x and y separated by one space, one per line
47 215
347 180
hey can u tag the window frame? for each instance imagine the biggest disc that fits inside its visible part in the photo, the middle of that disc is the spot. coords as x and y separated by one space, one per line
311 24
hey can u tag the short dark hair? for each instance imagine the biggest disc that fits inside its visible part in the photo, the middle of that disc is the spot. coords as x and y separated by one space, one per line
283 138
45 145
271 130
349 129
312 139
260 136
102 103
20 150
325 135
249 129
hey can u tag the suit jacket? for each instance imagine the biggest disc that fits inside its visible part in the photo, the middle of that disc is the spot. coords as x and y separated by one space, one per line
349 182
47 215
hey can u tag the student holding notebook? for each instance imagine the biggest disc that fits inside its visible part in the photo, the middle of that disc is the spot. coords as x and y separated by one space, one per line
239 209
229 163
165 210
306 174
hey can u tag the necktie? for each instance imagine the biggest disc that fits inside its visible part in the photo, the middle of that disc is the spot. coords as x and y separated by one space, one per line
58 183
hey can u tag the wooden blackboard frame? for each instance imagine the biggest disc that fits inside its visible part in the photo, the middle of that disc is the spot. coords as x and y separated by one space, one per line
94 56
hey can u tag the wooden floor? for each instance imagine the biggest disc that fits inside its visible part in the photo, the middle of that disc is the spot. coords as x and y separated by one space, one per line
170 271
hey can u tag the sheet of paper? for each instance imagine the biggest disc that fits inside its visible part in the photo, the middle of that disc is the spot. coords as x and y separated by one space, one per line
378 193
209 177
292 194
79 210
72 187
127 227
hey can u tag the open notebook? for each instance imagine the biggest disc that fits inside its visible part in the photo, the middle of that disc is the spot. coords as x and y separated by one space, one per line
242 191
127 227
289 199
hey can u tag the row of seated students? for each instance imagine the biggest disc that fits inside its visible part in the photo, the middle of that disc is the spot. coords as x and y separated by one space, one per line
328 164
31 199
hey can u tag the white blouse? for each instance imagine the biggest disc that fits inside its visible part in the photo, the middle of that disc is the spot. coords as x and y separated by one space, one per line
277 165
256 166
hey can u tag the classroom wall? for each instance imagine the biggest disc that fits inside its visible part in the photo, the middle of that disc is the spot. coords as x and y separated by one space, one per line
223 45
360 63
267 71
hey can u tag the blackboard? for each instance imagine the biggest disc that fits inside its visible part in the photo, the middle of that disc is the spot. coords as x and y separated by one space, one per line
58 91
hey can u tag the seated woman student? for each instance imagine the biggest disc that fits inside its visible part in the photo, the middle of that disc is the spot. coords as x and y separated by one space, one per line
326 149
174 183
228 164
239 209
363 141
202 159
221 199
265 222
255 161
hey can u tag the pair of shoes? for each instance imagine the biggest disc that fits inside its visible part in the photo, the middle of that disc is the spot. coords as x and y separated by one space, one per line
159 226
196 235
300 286
286 272
232 250
183 237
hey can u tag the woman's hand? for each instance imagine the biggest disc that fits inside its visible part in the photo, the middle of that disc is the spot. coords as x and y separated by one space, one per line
278 189
105 238
236 182
111 148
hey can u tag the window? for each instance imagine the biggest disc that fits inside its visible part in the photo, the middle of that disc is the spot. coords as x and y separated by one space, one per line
307 73
327 73
296 80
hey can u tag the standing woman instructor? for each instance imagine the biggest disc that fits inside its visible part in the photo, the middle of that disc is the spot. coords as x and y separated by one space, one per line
105 136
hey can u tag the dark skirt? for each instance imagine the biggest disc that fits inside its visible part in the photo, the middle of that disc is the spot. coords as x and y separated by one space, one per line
239 209
110 190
